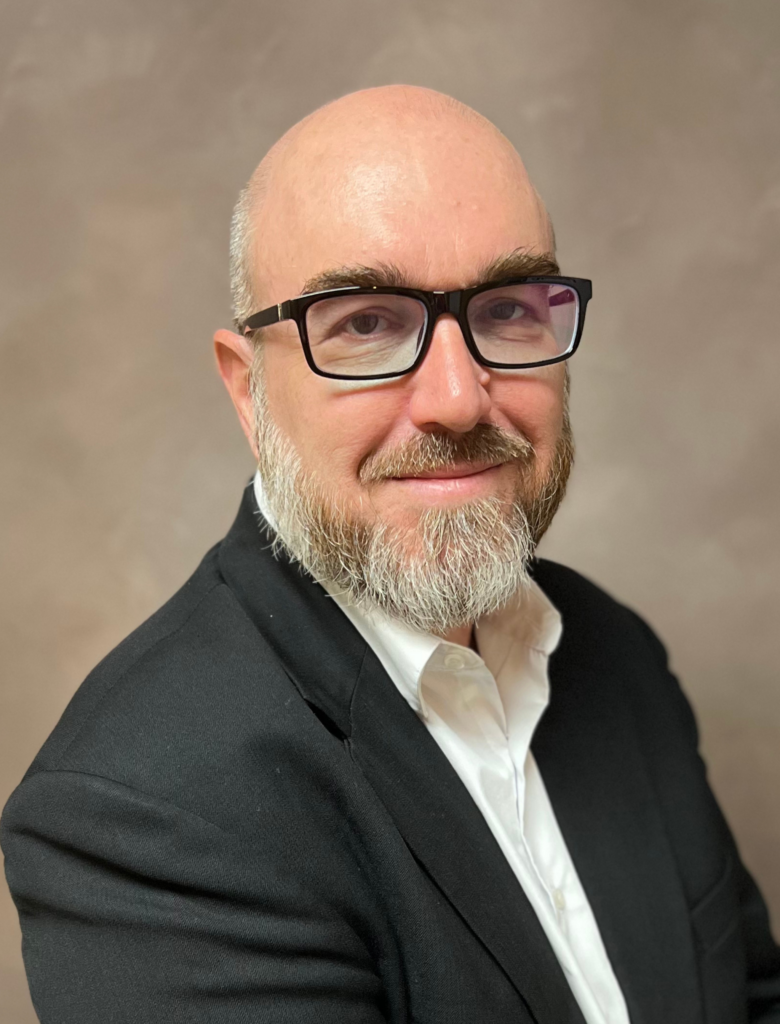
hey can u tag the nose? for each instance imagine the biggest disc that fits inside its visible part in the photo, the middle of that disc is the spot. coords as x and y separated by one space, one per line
449 388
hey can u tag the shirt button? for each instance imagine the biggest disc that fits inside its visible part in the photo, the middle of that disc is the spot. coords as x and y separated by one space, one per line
559 899
454 661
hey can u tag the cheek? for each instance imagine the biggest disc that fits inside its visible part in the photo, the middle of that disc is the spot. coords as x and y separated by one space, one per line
534 405
332 424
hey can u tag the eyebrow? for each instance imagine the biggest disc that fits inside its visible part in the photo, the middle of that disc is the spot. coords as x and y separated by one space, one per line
518 263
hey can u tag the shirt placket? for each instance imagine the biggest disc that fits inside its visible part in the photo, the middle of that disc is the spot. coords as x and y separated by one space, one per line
464 710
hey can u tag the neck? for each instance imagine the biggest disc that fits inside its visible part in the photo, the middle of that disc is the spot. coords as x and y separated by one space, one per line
463 635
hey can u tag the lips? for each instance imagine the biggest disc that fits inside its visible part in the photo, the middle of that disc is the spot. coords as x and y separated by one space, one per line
450 472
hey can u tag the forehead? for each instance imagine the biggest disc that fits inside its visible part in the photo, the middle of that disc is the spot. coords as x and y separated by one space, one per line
437 204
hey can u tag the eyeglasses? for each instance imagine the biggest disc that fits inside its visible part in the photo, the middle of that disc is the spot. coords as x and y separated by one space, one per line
360 333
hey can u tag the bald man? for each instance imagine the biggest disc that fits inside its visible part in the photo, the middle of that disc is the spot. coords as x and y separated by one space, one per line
376 762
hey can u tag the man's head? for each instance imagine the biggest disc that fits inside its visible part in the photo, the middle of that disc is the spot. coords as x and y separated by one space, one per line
373 484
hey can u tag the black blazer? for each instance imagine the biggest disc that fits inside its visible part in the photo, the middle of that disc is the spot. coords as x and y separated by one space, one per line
239 820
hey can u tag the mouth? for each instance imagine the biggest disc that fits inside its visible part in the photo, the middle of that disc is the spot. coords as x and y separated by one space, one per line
463 481
456 472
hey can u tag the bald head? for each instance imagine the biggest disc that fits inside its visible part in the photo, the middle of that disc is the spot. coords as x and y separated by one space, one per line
378 172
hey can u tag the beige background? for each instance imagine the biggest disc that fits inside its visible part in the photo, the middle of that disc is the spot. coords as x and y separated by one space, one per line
652 128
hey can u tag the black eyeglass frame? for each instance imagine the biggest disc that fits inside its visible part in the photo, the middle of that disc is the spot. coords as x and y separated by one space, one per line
436 303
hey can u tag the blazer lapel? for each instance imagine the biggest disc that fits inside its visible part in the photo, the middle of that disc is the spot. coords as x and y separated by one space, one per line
315 642
445 830
343 681
589 757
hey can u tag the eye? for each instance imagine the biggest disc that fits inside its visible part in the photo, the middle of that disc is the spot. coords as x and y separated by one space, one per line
364 323
506 310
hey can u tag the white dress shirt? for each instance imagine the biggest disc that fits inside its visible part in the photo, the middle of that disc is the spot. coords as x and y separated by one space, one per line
482 710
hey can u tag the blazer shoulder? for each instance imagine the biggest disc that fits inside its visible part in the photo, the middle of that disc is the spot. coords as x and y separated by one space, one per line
584 604
197 709
621 650
611 641
174 666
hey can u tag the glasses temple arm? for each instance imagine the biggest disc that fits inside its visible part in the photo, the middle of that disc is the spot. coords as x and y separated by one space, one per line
264 318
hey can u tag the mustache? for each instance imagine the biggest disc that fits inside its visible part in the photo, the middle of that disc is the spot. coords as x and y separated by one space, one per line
429 452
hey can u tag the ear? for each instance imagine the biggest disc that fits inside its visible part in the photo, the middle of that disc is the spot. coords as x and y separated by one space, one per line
234 361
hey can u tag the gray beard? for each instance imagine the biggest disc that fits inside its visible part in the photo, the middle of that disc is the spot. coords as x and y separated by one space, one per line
454 566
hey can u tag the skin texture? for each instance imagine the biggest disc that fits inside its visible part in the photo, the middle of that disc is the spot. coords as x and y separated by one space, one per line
405 177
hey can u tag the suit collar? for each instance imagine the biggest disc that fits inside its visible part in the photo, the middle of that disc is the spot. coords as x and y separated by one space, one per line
317 646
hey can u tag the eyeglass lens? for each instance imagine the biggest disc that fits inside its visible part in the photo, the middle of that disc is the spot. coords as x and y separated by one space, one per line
361 335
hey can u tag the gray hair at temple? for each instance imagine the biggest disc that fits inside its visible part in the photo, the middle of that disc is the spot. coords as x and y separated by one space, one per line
241 263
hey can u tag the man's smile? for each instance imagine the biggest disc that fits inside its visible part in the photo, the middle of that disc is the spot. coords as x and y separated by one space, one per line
449 472
463 480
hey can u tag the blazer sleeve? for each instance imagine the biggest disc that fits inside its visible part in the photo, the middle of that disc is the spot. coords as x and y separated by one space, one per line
761 950
140 912
763 954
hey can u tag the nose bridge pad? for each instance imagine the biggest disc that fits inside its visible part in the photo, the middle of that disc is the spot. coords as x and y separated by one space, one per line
440 304
452 302
443 303
446 302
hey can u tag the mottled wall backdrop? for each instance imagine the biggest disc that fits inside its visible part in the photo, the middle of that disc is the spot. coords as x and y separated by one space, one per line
652 128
